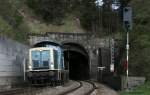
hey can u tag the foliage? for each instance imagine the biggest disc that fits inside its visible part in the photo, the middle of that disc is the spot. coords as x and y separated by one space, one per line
9 13
51 11
11 21
86 11
141 90
125 2
97 18
87 14
18 34
140 39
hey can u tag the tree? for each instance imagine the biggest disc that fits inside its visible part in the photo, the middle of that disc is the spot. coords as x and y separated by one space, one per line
51 11
11 22
139 39
9 13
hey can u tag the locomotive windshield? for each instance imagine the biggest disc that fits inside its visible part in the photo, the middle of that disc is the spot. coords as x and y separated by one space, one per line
45 58
40 59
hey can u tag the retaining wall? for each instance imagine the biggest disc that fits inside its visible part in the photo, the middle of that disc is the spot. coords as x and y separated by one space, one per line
131 82
12 55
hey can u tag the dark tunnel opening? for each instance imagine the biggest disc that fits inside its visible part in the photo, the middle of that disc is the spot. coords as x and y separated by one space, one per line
77 61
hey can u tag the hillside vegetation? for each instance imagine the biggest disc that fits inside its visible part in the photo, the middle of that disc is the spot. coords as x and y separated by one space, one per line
40 16
141 90
11 21
140 39
74 15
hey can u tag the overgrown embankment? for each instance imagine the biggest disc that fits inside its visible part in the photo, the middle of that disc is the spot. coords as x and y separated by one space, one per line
140 39
141 90
11 21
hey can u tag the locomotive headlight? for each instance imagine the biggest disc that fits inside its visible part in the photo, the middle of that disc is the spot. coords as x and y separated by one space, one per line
30 67
52 66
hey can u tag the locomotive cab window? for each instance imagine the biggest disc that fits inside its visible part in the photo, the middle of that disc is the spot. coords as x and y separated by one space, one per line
36 58
45 58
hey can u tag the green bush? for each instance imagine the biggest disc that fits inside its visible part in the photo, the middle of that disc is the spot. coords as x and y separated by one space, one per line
11 21
10 13
51 11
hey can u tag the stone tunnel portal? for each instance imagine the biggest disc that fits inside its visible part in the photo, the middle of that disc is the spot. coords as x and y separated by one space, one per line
77 61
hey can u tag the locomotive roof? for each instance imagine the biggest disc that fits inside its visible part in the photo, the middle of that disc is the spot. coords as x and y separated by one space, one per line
46 44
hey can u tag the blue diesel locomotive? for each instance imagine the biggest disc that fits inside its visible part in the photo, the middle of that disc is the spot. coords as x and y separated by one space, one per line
46 65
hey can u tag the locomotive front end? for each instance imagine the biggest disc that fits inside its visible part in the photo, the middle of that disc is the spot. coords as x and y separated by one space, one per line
46 65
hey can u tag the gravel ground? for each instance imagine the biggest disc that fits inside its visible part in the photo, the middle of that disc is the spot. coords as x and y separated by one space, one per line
50 90
59 89
103 90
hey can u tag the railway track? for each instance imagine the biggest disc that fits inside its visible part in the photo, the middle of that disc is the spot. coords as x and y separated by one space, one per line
12 92
85 88
92 90
21 91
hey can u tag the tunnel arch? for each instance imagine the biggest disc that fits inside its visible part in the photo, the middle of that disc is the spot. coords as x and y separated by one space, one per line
77 59
43 43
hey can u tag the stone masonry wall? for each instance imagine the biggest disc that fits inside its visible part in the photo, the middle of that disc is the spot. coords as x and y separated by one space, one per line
12 55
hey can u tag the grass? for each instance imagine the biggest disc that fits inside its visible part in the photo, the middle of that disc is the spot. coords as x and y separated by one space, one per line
69 26
36 26
141 90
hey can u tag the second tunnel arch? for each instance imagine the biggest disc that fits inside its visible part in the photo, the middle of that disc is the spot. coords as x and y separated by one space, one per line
77 59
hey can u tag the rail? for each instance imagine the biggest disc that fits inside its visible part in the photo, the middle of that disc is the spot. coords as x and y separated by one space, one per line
79 87
12 92
74 89
93 89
